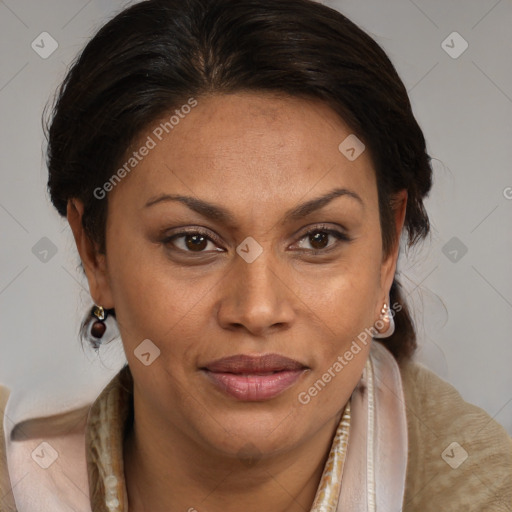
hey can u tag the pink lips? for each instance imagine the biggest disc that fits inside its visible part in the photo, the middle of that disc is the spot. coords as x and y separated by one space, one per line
254 378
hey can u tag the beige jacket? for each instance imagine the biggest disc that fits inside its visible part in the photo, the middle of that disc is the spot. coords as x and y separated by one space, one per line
442 428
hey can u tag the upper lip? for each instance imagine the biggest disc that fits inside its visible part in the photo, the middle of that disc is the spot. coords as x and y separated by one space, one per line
242 363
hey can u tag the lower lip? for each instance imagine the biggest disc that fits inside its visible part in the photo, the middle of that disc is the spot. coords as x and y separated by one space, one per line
254 388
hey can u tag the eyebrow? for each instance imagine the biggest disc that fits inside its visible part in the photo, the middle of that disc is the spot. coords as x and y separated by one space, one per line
221 214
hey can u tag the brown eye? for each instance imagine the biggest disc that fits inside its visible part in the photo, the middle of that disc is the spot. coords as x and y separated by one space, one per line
196 242
318 239
191 241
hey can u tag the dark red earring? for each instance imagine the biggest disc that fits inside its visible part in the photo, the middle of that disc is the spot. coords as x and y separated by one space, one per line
94 327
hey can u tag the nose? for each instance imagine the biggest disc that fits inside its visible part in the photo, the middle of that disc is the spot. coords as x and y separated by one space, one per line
256 296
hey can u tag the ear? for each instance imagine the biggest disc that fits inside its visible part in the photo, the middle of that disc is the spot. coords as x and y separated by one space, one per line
94 263
388 268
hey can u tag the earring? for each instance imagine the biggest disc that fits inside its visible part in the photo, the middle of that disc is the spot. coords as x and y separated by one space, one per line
386 316
93 327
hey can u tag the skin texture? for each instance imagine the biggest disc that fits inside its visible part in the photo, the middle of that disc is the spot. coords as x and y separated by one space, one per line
257 155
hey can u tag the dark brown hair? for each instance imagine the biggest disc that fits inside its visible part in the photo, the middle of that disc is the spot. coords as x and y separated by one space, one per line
155 55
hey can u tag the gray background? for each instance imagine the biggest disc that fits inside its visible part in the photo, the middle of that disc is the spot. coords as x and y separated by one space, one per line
462 300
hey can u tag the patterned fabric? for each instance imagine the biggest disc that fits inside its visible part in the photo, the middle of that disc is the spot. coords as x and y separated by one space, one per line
326 499
111 416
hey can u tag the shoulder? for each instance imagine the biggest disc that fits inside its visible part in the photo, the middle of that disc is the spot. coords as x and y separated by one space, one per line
6 503
64 432
459 457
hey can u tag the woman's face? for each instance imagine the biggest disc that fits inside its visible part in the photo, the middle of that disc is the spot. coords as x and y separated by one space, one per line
250 283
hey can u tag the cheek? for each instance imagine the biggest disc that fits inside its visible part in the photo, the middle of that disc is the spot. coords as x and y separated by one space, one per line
345 304
345 295
155 305
348 314
155 301
346 311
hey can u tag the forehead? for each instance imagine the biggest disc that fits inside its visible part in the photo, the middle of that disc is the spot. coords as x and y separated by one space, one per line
246 147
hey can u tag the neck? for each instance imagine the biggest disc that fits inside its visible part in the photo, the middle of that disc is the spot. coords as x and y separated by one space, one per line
166 471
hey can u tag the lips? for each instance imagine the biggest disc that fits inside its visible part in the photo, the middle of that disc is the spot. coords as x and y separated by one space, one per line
245 364
254 378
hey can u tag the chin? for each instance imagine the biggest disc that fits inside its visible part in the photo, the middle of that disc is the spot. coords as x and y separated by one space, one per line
237 434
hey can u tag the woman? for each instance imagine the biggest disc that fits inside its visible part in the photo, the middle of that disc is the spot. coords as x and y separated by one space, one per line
237 176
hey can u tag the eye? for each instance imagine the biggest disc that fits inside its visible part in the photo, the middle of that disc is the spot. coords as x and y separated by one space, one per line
318 238
195 241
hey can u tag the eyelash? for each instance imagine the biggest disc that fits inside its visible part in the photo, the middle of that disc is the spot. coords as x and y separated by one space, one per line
339 235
